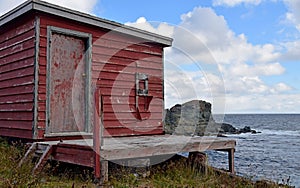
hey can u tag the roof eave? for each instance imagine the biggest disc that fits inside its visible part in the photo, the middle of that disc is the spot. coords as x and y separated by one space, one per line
84 18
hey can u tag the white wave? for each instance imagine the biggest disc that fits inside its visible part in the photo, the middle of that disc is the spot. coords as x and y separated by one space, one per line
280 132
265 132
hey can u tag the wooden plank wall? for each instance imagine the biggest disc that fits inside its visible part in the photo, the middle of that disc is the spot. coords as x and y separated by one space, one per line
17 53
74 154
115 60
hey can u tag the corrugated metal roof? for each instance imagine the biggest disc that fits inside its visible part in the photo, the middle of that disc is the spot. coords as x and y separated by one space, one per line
82 17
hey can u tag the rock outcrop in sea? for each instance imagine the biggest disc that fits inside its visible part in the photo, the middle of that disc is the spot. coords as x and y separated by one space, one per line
195 118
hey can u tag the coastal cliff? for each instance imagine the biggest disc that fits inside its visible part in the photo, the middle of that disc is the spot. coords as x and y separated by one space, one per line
195 118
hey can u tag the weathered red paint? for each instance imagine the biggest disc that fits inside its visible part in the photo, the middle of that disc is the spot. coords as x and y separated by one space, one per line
74 154
97 133
115 60
118 71
67 93
16 78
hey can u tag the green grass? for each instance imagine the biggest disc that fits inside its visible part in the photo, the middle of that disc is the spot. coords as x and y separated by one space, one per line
175 173
11 175
180 174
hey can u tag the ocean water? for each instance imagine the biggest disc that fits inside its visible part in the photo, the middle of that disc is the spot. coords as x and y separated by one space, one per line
273 154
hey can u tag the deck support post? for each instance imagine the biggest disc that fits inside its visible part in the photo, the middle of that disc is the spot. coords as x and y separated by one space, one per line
231 160
97 166
104 172
97 137
198 160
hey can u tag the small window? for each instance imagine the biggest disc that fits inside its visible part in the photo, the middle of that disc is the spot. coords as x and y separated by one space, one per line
141 84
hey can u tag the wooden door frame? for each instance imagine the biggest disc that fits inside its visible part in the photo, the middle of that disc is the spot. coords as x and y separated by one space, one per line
88 57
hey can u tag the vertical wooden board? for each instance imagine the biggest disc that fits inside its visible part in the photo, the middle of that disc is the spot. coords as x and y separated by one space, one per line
40 133
42 74
67 85
231 160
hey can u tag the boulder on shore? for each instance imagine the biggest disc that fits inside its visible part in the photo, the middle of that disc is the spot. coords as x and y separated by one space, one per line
195 118
190 118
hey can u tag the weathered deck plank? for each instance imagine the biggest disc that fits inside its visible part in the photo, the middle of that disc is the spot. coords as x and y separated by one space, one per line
172 143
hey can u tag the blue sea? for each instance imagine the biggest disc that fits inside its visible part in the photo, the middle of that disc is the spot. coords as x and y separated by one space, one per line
273 154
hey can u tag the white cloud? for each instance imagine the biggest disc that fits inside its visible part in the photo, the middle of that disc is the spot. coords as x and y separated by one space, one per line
218 58
282 87
175 81
86 6
162 29
232 3
292 49
226 46
294 12
243 69
241 63
269 69
263 103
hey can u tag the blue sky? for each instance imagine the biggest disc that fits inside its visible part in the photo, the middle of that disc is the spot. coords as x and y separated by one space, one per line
261 22
254 45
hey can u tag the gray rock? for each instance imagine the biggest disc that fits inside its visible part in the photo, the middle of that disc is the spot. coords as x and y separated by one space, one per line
190 118
194 118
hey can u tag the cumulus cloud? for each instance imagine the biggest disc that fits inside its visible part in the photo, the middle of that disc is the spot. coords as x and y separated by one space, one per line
259 104
293 15
241 63
83 6
282 87
211 59
226 46
162 28
243 69
292 49
175 80
232 3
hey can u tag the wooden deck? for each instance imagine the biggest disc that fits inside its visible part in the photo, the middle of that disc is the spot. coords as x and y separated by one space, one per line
145 146
82 151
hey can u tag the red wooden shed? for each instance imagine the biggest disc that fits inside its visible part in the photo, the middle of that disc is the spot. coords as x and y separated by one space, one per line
64 75
53 60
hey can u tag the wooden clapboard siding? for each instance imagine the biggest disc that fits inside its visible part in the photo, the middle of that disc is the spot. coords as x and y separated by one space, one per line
82 155
17 53
115 76
115 60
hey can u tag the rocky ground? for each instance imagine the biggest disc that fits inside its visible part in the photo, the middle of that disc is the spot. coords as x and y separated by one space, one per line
195 118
